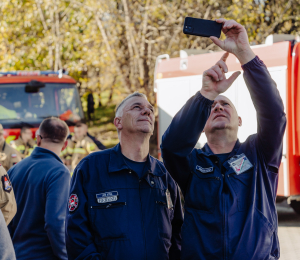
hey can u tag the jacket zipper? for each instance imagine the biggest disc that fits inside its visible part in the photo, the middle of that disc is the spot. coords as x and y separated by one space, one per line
110 205
142 219
224 221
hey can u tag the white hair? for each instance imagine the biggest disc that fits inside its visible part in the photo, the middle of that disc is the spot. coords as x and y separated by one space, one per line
120 107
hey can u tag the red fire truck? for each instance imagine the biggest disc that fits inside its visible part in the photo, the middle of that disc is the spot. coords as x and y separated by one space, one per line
27 97
177 79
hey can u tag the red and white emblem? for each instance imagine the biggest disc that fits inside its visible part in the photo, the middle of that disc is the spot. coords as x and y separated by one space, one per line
73 202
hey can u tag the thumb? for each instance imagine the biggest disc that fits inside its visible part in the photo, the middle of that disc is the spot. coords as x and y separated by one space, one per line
217 41
233 77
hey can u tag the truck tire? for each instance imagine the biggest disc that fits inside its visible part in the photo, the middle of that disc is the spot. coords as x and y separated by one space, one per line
296 206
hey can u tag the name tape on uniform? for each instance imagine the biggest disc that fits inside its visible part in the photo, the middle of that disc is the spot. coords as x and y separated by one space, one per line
204 170
107 197
240 163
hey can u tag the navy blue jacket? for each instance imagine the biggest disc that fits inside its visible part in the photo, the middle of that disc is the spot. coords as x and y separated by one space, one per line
41 184
229 216
118 216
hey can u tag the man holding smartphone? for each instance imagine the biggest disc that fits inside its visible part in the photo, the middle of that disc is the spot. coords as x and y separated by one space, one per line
229 187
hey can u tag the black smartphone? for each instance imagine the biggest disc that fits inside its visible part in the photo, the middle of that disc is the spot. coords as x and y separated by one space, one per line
201 27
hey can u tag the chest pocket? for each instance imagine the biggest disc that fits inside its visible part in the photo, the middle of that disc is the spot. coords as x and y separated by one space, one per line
241 185
203 192
109 215
164 215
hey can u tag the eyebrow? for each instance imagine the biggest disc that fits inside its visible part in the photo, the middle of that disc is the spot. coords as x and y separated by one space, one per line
140 104
222 100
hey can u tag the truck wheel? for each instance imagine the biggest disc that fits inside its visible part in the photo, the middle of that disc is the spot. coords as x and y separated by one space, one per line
296 206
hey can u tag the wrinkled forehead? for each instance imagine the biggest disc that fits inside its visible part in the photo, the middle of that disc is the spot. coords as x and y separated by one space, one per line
136 101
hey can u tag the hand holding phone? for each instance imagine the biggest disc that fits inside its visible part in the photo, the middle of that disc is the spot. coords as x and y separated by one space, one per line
201 27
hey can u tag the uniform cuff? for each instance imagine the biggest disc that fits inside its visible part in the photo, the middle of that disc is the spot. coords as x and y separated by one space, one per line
256 62
207 102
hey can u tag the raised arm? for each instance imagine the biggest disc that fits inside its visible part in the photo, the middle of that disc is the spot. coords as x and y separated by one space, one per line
184 131
182 135
271 119
265 96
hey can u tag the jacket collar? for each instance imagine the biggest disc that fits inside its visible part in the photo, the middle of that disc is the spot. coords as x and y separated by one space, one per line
206 151
42 152
117 163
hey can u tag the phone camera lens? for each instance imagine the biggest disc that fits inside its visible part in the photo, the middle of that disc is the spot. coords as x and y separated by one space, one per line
188 29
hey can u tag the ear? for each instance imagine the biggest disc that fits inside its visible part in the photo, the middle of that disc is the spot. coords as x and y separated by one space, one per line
38 140
118 123
65 145
240 121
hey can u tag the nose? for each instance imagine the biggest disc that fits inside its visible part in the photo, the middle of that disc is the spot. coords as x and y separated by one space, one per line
218 107
146 111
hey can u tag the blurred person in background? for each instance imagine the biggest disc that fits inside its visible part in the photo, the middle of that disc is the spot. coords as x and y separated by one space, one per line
79 146
8 203
8 155
90 105
24 144
41 183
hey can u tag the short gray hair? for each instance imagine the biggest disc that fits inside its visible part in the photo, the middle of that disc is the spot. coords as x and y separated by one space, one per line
119 110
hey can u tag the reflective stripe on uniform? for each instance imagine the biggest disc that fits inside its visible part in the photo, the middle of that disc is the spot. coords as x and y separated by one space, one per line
20 148
69 149
92 146
79 150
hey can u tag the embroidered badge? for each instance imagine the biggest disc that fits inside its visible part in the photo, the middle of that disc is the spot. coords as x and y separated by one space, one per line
204 170
107 197
13 155
73 202
240 164
6 183
169 200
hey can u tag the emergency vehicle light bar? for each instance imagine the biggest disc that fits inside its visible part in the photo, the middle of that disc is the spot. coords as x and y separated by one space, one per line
33 73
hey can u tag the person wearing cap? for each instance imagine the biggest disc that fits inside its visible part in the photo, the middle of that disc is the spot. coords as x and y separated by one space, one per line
8 155
79 146
123 203
8 203
24 144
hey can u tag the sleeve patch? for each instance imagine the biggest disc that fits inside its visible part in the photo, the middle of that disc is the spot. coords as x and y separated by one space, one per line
6 183
73 202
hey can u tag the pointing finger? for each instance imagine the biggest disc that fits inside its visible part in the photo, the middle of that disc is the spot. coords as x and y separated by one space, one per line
225 56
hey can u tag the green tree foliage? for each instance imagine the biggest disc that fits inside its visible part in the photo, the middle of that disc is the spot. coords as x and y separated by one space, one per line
110 46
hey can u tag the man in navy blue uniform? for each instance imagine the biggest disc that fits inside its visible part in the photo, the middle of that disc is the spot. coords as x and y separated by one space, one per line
41 184
123 203
229 187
